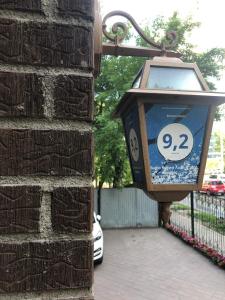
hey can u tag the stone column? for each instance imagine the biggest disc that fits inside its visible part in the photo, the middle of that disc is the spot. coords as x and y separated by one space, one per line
46 157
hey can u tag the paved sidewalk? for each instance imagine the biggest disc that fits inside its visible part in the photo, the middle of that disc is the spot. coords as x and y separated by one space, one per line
152 264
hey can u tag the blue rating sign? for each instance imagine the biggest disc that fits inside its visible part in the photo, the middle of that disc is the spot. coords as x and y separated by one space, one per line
175 140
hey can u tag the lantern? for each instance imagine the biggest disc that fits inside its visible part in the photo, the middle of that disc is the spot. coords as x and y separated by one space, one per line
168 116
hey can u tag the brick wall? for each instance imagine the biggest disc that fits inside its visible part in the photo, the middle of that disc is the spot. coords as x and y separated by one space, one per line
46 158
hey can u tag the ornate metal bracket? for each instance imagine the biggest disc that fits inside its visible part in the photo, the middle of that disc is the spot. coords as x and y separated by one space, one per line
119 32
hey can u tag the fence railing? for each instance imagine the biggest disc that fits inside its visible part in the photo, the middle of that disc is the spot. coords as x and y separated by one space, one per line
202 217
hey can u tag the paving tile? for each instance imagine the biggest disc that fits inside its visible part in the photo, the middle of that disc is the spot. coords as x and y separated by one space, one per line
152 264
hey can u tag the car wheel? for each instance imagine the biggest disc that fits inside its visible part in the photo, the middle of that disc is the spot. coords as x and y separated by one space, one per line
99 261
208 193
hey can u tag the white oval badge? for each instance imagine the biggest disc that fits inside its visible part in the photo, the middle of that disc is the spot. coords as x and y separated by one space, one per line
175 142
134 146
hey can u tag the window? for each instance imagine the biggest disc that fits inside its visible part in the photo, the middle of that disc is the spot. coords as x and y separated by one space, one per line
173 79
216 182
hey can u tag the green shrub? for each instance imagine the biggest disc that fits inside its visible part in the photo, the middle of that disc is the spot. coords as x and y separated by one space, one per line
210 221
179 206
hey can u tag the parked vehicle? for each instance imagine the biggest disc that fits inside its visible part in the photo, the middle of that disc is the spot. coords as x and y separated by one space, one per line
213 187
222 177
213 176
98 239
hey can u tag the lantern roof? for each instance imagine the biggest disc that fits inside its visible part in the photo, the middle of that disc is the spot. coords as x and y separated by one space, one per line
169 80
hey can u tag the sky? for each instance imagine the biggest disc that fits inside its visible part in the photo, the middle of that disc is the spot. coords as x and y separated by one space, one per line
211 15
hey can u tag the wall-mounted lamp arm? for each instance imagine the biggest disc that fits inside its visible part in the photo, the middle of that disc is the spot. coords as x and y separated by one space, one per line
118 33
120 30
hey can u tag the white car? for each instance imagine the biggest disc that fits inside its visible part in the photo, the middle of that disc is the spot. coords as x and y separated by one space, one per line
98 239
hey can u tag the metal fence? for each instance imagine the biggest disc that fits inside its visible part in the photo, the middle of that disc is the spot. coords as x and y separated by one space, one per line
202 217
126 208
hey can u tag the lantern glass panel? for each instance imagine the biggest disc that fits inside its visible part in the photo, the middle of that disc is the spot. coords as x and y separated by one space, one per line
173 79
137 82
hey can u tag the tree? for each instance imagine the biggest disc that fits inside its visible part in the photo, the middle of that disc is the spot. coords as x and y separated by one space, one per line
116 77
111 163
216 146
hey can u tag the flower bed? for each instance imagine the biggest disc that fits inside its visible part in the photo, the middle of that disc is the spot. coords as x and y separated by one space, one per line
217 258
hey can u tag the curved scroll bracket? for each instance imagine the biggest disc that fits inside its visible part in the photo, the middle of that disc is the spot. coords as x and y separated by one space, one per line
119 32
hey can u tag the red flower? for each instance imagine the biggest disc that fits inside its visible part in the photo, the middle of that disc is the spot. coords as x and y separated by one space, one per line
195 243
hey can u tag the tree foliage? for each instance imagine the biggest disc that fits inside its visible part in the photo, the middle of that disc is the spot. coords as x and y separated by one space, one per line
117 74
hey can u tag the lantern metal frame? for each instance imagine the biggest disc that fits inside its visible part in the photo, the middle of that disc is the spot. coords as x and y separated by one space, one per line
143 95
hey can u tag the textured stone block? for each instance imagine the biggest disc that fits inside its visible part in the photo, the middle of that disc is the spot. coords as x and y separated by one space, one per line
19 209
76 8
26 5
73 97
20 95
72 209
38 266
45 152
46 44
